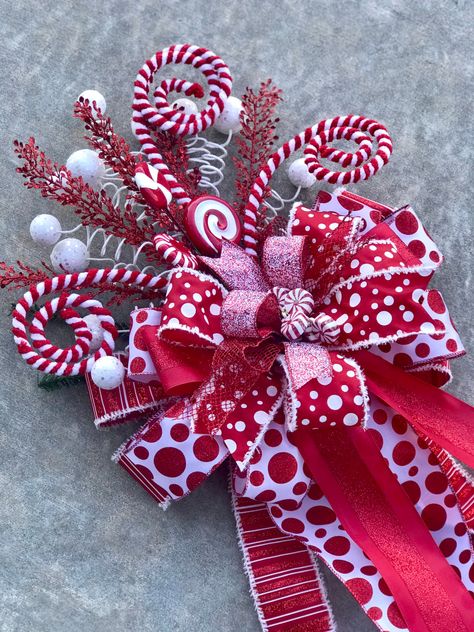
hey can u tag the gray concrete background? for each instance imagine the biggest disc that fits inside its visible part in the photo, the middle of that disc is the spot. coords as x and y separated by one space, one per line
82 547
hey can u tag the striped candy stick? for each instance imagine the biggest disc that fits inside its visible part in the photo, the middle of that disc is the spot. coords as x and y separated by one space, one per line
41 354
161 116
351 127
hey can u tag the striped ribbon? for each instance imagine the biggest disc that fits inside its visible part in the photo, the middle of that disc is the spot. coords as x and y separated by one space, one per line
285 583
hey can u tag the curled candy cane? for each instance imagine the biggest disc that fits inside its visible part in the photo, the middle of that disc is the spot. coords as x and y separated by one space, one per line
65 305
208 221
40 353
357 129
364 128
159 115
173 252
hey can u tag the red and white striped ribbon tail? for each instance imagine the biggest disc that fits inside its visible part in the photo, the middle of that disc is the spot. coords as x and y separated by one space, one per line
284 579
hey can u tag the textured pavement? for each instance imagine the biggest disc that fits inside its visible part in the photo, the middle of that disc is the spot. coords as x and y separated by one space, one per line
83 547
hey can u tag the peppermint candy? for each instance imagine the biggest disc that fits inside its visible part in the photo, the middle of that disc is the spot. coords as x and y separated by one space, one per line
295 307
174 252
324 329
208 221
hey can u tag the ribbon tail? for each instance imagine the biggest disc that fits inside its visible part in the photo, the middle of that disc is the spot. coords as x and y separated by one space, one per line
378 515
167 459
446 420
284 579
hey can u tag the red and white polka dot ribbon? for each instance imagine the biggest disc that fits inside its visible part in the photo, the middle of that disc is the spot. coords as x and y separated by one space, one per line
356 128
41 353
160 116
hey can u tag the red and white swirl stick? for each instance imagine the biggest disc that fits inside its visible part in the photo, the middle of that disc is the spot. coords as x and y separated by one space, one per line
349 129
356 128
161 116
173 252
41 354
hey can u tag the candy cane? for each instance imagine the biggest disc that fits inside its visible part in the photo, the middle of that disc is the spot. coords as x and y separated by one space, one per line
348 127
161 116
173 252
41 354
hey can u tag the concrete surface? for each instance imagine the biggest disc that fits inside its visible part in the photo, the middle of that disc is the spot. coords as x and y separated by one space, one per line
82 547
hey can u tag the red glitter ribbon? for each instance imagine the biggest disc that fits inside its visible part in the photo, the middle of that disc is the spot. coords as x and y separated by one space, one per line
378 515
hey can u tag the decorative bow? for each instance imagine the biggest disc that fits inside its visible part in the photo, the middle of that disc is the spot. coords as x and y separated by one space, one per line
335 285
334 327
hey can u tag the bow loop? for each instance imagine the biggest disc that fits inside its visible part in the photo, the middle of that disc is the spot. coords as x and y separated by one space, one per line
285 261
191 312
250 314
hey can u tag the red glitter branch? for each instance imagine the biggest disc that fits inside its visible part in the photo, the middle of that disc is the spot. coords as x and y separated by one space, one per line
94 208
256 139
115 152
120 293
22 275
110 146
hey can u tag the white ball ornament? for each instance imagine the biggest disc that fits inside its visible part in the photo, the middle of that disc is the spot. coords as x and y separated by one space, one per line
93 325
45 229
86 164
229 118
94 95
185 105
70 255
108 372
299 175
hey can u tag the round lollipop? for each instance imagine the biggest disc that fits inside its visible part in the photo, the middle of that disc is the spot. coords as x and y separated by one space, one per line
208 221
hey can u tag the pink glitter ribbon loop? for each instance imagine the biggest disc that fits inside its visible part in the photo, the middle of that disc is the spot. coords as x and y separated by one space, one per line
249 314
284 261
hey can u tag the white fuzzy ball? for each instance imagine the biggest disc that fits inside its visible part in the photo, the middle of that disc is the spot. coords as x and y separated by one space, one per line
93 325
94 95
70 255
45 229
299 175
108 372
86 164
185 105
229 118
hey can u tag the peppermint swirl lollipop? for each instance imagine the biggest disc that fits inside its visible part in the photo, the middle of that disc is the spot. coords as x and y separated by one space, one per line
208 221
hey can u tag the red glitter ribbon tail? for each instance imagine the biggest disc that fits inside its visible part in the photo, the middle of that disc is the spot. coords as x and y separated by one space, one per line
446 420
379 516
